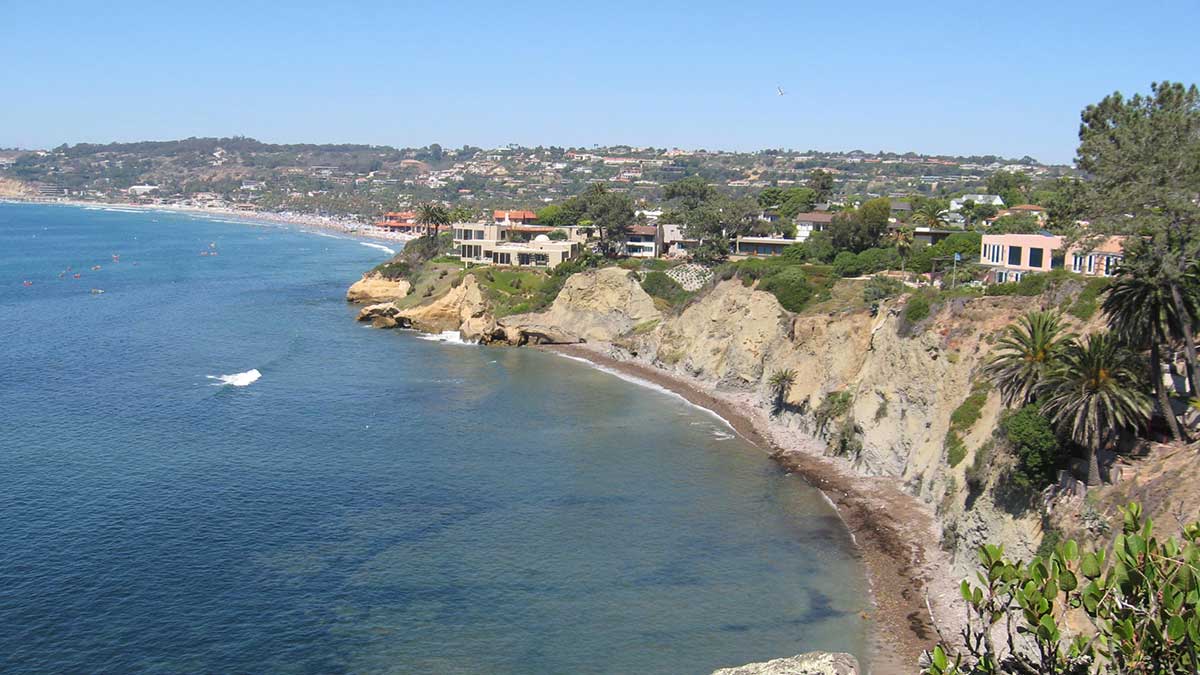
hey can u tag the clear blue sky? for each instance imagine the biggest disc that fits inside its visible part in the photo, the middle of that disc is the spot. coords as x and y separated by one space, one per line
960 78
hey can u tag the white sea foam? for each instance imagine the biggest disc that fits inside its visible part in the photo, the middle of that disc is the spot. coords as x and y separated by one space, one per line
237 379
381 247
450 336
649 385
323 234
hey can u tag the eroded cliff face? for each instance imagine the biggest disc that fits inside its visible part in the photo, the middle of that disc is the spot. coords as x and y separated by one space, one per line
595 306
898 384
374 288
903 383
462 308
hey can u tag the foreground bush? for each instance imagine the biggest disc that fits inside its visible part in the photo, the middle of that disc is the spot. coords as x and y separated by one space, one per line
1142 602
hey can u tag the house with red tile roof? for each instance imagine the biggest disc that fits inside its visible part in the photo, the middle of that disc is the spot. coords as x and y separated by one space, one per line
522 217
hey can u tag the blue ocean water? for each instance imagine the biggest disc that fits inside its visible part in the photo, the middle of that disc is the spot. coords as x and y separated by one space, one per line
375 502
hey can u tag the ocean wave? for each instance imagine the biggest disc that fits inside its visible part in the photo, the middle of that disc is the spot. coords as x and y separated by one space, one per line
649 385
381 247
237 379
449 336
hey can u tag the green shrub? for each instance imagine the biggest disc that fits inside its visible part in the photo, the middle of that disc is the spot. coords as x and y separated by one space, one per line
659 285
393 269
1088 301
790 287
878 259
976 474
1032 439
917 309
836 404
557 235
956 450
881 287
796 253
847 264
1139 596
968 412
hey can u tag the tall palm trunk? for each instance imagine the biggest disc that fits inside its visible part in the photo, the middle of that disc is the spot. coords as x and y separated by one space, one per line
1160 392
1189 339
1093 474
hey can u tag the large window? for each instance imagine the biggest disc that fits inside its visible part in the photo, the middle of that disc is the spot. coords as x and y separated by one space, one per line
1014 255
1077 262
1035 257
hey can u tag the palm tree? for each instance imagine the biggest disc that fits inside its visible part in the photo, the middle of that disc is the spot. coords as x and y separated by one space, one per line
902 239
781 382
1094 393
432 215
1026 355
1142 314
931 214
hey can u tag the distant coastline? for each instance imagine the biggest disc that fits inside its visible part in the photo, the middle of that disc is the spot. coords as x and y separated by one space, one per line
343 226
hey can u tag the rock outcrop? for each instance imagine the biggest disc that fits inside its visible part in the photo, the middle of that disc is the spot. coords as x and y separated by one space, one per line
374 288
595 306
463 308
811 663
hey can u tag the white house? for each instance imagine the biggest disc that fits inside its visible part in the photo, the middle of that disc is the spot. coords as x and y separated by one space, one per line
957 203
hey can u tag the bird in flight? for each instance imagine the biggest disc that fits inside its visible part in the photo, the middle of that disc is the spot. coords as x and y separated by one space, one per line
780 90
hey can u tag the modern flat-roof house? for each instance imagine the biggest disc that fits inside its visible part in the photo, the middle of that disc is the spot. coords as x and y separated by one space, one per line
642 241
813 221
1097 259
514 245
1011 256
762 245
673 242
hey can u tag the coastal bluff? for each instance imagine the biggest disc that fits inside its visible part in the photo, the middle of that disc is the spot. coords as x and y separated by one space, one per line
597 306
868 416
374 287
811 663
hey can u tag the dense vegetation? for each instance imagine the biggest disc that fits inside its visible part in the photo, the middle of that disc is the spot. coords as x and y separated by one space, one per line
1141 601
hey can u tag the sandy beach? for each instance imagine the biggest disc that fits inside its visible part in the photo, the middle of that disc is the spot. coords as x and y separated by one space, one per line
896 535
331 224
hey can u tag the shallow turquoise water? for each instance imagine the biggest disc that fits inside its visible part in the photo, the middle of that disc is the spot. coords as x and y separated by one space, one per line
375 502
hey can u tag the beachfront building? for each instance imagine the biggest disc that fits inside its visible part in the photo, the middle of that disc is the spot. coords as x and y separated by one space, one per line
773 245
814 221
401 222
1011 256
1098 259
515 244
642 241
518 217
673 242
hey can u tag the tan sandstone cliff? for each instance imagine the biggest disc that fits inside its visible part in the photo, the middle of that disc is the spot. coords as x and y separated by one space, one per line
596 306
462 308
373 288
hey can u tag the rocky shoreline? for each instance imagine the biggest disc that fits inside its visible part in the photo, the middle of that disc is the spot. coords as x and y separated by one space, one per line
893 531
865 423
